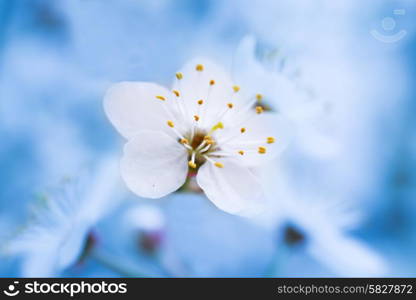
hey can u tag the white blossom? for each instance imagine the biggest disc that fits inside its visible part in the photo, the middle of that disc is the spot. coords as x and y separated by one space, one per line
204 124
55 236
285 92
325 227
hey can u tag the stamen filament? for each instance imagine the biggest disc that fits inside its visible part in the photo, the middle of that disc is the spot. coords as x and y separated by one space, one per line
222 153
192 163
178 105
168 112
215 163
249 106
269 140
221 116
206 106
205 149
178 134
201 145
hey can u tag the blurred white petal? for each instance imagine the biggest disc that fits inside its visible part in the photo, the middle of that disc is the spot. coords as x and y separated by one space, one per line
347 257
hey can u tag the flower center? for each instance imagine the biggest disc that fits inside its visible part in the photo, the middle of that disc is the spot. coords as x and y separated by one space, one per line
203 137
200 147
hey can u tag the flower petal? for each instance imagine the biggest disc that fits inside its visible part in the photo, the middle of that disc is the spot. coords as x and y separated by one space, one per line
347 257
259 129
212 84
154 164
280 91
249 72
232 188
133 106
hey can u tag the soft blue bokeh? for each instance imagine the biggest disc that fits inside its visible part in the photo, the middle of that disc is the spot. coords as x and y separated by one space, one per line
57 58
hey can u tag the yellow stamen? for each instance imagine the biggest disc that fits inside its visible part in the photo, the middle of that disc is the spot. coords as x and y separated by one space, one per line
219 125
192 165
241 152
262 150
219 165
270 140
200 102
230 105
177 94
170 123
184 141
259 109
259 97
242 130
196 117
212 82
179 75
208 140
236 88
199 67
161 98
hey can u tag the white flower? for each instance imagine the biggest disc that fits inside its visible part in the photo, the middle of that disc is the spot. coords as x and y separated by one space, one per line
284 93
55 237
322 227
205 124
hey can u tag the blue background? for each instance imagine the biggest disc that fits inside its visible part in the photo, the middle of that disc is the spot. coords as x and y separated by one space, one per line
57 58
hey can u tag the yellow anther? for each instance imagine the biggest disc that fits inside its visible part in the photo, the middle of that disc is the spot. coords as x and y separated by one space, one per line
192 165
184 141
200 102
242 130
179 75
208 140
170 123
230 105
241 152
259 97
196 117
259 109
212 82
199 67
236 88
270 140
219 165
219 125
161 98
177 94
262 150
